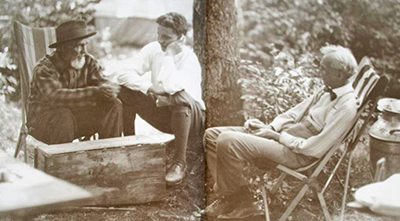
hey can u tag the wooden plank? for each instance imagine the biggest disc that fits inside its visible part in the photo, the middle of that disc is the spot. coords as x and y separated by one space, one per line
292 172
105 143
115 175
25 190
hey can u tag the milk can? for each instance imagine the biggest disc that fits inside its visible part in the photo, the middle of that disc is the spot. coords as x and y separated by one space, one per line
385 136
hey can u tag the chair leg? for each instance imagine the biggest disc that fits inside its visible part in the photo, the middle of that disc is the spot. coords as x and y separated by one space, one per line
294 203
278 184
346 184
323 206
21 143
264 195
25 150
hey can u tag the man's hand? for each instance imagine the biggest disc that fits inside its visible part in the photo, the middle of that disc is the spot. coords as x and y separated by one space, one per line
174 47
108 90
266 133
254 124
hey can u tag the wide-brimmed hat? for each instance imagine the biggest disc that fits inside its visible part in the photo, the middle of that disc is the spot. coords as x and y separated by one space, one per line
71 30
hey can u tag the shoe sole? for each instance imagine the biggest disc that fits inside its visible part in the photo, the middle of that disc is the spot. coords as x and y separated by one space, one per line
174 183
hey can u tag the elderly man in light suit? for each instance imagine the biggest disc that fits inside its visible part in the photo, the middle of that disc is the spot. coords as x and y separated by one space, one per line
293 139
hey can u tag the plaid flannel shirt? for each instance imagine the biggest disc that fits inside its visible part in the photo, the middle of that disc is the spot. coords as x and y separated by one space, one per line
56 84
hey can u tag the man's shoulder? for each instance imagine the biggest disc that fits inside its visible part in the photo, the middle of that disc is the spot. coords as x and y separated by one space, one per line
152 47
44 63
349 103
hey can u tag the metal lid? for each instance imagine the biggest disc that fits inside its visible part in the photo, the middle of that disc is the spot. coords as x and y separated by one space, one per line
387 127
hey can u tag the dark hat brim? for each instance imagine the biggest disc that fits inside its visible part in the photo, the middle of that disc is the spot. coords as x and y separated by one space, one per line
54 45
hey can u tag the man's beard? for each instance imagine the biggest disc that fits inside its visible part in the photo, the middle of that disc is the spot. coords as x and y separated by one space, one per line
78 63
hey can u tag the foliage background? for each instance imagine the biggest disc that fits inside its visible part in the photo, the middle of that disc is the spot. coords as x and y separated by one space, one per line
283 38
278 45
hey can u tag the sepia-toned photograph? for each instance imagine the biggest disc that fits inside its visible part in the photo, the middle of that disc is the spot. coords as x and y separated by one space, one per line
199 110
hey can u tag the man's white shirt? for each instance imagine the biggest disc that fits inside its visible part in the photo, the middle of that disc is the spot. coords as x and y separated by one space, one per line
172 73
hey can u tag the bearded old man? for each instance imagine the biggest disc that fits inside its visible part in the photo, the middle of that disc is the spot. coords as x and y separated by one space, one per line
70 97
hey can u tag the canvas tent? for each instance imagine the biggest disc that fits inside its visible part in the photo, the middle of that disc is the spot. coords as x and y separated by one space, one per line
133 21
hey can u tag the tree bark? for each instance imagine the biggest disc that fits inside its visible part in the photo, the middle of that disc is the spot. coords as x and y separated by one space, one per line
215 40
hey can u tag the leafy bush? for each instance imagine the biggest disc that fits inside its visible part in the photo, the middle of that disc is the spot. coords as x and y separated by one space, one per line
269 92
301 26
367 27
35 13
7 81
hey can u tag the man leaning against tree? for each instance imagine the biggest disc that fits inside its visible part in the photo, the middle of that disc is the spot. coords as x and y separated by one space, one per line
70 98
172 100
294 139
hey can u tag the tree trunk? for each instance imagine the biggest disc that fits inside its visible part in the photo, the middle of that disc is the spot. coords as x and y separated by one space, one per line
215 40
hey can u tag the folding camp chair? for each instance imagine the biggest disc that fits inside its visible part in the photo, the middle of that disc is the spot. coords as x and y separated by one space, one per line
368 87
369 72
32 45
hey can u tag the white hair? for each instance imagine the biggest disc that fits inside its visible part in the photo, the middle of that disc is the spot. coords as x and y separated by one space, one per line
340 58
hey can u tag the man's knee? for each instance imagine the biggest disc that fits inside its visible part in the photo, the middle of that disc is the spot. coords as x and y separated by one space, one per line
181 110
181 98
208 138
210 135
226 142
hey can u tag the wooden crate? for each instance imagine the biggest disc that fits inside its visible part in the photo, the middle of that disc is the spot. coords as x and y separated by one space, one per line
117 171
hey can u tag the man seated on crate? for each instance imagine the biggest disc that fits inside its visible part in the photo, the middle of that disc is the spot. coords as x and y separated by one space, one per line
70 98
172 100
294 139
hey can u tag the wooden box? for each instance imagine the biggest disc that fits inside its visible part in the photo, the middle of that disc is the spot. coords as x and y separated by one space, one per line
117 171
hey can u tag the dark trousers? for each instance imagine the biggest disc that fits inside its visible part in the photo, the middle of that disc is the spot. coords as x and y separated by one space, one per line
183 117
63 125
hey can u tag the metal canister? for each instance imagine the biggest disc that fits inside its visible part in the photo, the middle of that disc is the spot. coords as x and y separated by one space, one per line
385 137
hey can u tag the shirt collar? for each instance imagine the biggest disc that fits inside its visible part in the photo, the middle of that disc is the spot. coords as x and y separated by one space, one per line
340 91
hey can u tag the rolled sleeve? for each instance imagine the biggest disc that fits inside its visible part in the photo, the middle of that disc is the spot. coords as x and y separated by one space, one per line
289 140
